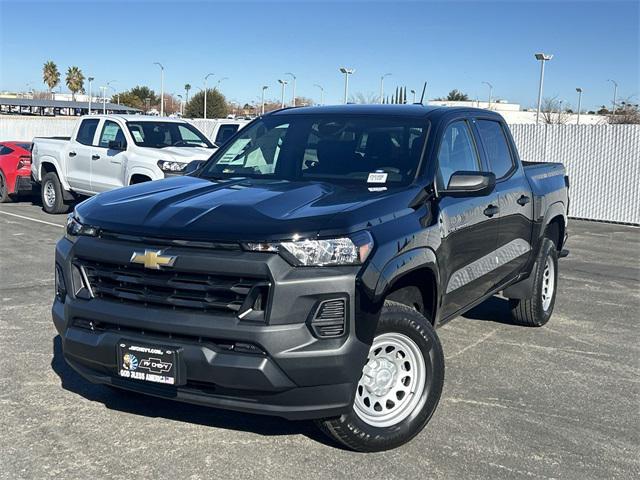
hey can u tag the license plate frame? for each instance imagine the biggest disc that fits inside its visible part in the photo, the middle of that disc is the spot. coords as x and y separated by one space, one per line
150 363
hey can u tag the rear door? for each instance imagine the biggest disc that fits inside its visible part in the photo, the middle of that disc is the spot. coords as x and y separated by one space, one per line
515 198
107 164
225 132
468 225
78 155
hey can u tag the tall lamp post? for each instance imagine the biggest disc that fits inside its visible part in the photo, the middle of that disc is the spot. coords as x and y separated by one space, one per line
543 57
181 105
321 93
579 90
220 81
91 79
104 100
615 94
347 72
114 90
382 86
205 93
284 84
264 87
161 87
413 92
490 92
293 86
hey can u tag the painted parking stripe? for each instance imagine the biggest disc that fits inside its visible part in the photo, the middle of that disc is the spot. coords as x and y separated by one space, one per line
33 219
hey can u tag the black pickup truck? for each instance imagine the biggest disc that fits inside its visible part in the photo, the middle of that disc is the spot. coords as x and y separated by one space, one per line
301 270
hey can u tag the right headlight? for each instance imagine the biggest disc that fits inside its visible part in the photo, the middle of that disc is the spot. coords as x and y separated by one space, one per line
171 166
352 250
75 228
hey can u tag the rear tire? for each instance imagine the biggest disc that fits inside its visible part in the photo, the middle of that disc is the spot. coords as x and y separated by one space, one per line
51 194
536 310
4 190
400 385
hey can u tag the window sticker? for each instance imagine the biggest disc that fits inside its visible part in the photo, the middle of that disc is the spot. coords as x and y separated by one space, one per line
377 177
137 136
234 151
109 133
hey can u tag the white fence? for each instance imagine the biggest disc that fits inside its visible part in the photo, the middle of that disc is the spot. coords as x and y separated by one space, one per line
603 161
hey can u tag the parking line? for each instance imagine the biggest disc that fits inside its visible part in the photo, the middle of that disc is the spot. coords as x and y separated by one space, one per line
33 219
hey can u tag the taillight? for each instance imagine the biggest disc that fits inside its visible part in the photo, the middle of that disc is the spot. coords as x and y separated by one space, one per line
23 162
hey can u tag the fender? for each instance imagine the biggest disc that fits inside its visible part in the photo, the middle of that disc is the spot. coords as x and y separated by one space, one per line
141 170
48 159
556 209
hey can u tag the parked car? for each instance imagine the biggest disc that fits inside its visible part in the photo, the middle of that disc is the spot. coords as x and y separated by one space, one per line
224 129
15 170
301 271
111 151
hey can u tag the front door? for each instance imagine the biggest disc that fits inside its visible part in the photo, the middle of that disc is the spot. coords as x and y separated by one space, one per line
468 225
78 159
107 164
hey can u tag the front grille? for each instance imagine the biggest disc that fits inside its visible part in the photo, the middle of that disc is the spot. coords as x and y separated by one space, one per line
175 289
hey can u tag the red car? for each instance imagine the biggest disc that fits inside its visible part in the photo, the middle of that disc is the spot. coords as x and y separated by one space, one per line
15 169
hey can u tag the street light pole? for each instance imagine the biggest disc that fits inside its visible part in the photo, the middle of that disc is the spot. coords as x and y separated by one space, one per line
283 83
579 90
413 92
543 57
293 97
104 100
347 72
615 94
321 93
205 93
264 87
490 92
220 81
382 85
181 105
161 88
91 79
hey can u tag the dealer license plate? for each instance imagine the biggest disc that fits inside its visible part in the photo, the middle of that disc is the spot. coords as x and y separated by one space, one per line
149 363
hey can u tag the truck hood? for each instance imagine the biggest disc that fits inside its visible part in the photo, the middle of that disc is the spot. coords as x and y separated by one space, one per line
242 209
181 154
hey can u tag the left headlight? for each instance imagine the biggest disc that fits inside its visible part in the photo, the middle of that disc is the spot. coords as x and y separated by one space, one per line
171 167
75 228
352 250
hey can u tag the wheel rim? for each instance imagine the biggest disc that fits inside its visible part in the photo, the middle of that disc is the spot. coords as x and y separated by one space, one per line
548 283
49 196
393 381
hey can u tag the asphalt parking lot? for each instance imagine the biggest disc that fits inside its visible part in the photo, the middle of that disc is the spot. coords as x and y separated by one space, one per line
562 401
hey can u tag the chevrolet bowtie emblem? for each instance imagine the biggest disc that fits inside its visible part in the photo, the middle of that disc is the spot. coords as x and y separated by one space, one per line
153 259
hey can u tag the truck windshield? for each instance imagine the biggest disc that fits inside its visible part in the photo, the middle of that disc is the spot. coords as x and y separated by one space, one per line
167 134
341 148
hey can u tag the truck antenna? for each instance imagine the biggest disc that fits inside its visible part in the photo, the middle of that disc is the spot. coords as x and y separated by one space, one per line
424 90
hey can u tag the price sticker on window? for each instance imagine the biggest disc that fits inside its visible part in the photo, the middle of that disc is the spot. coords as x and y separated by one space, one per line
377 177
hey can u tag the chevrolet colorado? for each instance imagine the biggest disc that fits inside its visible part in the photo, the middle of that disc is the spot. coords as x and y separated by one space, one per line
301 271
111 151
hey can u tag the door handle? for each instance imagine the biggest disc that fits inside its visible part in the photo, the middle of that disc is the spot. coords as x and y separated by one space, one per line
491 210
523 200
95 157
72 154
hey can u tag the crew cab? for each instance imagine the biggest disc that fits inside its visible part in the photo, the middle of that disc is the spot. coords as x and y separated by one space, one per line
302 270
111 151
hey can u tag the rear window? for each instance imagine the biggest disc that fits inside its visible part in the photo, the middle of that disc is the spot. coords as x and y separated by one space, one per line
5 150
496 146
225 132
87 131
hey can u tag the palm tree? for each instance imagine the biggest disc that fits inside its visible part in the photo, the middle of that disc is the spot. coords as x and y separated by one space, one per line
187 87
50 75
75 81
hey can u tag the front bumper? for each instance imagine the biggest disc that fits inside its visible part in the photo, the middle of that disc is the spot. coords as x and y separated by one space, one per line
293 373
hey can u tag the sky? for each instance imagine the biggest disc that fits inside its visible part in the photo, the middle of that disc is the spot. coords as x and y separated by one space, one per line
449 45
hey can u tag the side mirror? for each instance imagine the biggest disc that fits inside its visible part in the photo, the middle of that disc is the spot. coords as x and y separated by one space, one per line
117 145
471 183
193 166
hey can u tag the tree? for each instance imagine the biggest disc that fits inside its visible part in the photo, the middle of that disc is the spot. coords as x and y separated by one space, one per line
137 97
50 75
216 105
187 87
627 113
552 113
456 95
75 81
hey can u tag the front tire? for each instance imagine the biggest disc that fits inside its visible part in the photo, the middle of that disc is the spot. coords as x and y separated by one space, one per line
4 190
400 386
536 310
51 194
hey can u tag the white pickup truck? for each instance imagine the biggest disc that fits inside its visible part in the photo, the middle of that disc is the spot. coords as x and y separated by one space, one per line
111 151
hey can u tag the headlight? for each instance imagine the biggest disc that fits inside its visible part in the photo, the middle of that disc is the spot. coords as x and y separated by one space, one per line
352 250
171 167
75 228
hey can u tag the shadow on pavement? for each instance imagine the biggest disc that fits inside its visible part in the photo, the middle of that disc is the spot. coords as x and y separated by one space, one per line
148 406
494 309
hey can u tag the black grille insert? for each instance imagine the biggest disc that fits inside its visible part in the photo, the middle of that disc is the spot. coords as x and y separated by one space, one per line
330 318
174 289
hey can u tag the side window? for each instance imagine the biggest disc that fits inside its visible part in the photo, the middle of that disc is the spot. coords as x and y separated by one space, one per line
86 131
5 150
225 132
496 146
457 153
187 135
111 131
